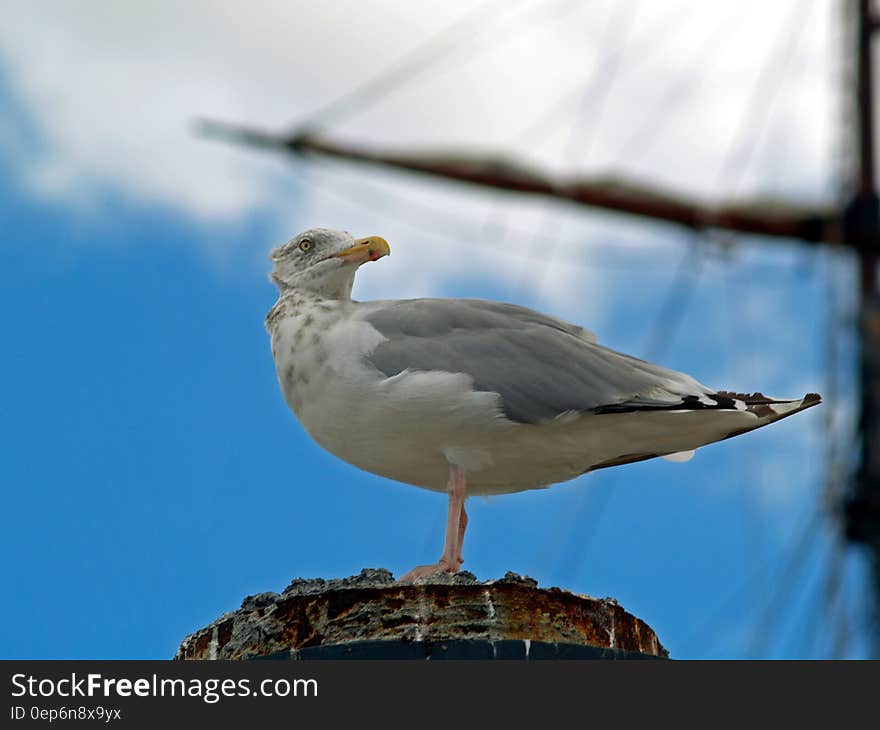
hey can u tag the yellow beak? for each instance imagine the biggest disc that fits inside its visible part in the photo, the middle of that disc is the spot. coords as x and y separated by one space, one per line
366 249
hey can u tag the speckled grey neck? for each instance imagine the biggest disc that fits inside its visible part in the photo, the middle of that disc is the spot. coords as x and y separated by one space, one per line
328 280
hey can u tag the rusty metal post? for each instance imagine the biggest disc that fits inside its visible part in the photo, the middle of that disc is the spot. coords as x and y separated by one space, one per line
369 616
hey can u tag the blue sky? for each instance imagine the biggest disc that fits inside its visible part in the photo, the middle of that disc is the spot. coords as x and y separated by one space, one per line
152 476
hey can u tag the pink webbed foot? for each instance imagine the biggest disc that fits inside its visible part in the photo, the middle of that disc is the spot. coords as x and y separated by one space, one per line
423 571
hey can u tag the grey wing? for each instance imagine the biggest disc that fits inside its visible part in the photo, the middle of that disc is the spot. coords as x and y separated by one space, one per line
540 366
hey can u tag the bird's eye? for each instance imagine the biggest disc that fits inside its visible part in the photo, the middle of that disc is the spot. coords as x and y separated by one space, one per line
305 245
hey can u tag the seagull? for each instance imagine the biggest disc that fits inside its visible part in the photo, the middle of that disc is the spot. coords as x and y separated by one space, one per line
470 397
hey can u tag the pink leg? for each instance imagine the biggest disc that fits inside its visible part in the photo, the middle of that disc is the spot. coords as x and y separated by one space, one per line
456 522
462 526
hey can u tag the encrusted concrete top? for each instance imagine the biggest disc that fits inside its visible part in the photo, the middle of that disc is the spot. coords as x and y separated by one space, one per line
370 606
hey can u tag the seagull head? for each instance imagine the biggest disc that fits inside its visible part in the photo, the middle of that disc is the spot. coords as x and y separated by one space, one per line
324 261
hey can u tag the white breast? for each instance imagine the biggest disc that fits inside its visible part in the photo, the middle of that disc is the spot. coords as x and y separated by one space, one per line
407 427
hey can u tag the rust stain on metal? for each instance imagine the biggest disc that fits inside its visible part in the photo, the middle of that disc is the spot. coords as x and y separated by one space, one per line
372 606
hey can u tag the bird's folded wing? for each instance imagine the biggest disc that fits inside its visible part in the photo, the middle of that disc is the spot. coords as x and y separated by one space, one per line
541 367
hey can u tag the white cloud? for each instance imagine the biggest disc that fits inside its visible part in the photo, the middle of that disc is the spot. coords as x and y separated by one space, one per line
112 88
659 90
